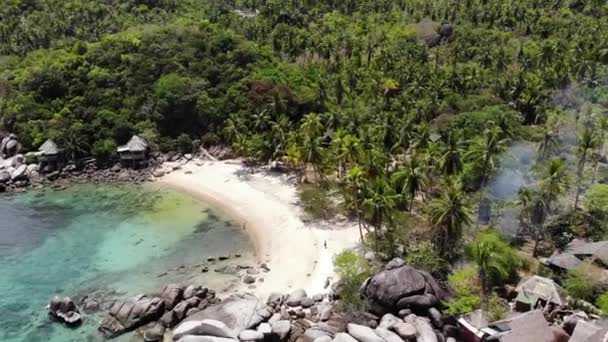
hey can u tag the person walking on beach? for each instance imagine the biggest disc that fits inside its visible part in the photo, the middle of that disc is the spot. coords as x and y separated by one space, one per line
325 244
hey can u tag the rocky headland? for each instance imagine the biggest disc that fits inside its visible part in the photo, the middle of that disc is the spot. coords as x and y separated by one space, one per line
403 304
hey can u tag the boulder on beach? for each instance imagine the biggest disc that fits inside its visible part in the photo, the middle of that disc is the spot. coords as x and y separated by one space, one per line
171 295
295 298
195 338
64 310
205 327
362 333
399 286
237 312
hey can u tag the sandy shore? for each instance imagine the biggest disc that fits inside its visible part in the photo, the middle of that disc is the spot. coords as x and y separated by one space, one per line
268 206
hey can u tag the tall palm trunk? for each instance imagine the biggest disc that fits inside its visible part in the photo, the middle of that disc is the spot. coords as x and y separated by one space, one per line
579 182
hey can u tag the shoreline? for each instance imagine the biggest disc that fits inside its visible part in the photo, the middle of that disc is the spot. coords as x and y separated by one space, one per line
267 205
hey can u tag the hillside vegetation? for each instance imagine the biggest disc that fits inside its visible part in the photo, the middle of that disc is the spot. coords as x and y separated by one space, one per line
407 112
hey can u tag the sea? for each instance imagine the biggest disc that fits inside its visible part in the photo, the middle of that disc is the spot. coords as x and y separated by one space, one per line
105 242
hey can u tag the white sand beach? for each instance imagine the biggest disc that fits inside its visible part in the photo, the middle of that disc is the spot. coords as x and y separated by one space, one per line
268 206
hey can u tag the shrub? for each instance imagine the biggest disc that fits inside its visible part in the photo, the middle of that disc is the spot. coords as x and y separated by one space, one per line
465 284
496 308
184 143
579 282
352 270
596 198
602 303
424 256
494 257
317 202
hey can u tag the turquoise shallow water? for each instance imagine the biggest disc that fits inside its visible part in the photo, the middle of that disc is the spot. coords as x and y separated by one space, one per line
106 242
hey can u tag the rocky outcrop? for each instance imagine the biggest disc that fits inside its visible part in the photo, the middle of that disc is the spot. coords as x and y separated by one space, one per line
64 310
399 286
130 314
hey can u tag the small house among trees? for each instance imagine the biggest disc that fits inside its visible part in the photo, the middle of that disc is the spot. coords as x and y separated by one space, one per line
50 156
134 153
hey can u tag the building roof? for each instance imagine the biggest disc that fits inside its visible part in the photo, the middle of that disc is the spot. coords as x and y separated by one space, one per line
531 289
49 148
530 326
581 248
584 331
136 144
564 260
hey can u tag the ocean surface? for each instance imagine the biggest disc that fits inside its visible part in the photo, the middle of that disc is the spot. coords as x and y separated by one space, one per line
106 242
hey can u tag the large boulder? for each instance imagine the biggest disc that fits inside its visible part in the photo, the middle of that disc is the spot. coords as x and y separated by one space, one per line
5 177
343 337
131 314
171 295
389 289
206 327
19 173
387 336
237 312
406 331
424 330
295 298
64 310
281 329
362 333
195 338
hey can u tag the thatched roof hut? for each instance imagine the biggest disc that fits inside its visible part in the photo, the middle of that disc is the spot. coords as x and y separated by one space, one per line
136 144
534 288
49 148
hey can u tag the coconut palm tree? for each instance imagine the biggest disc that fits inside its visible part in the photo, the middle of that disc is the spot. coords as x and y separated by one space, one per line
449 214
379 203
490 262
555 180
412 179
451 160
587 141
484 153
548 145
355 184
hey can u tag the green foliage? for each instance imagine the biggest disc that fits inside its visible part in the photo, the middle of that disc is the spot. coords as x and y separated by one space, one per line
596 199
424 256
317 202
496 309
602 303
495 259
466 288
352 270
579 282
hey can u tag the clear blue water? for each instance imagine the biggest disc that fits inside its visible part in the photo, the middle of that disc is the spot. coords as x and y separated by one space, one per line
106 242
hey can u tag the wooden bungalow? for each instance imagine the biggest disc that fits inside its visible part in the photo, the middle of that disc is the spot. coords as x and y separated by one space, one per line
134 153
50 156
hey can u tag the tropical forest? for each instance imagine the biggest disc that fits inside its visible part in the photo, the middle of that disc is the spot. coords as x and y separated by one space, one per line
465 138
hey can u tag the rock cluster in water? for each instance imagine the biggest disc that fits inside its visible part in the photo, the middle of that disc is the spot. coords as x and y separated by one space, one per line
64 310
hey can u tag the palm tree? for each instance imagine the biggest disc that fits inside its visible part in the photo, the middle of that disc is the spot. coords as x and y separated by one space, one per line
313 154
548 145
449 214
379 203
484 152
412 179
538 215
489 261
451 161
587 141
555 180
355 185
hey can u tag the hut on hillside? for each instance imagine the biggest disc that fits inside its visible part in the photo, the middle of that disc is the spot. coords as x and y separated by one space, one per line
134 153
536 292
50 156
